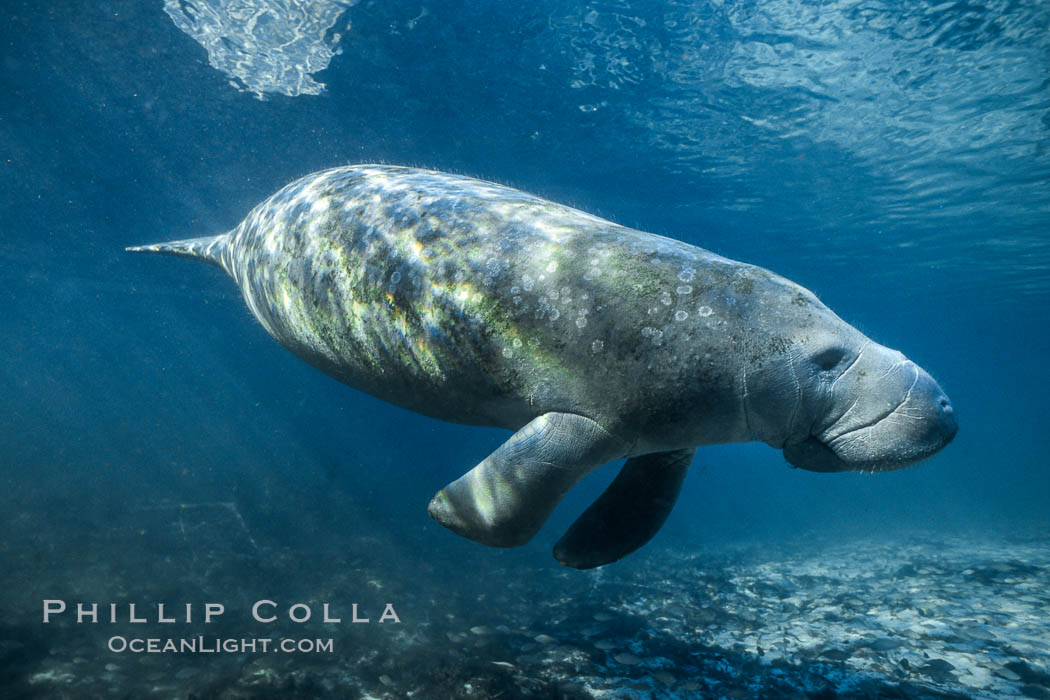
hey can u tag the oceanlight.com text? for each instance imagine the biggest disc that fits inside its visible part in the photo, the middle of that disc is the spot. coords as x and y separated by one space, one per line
217 645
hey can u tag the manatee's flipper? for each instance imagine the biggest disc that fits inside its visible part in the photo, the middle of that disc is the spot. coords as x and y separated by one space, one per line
505 500
629 513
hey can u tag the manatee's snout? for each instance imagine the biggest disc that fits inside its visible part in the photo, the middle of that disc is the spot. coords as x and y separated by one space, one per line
898 418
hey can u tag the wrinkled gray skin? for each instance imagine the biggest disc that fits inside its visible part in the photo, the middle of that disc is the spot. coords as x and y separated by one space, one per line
480 304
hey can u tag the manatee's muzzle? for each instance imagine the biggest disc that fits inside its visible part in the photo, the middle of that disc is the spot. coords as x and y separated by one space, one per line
917 428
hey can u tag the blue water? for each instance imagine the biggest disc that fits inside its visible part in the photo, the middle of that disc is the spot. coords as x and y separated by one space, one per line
894 157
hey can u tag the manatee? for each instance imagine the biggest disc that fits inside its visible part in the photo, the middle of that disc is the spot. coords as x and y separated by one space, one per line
480 304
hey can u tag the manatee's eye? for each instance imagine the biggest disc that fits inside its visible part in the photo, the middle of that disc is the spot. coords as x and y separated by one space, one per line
829 358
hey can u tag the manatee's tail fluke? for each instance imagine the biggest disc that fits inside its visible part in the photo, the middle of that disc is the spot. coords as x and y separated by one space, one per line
209 249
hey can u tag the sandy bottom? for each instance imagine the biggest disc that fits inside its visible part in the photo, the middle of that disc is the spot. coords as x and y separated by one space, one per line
908 618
